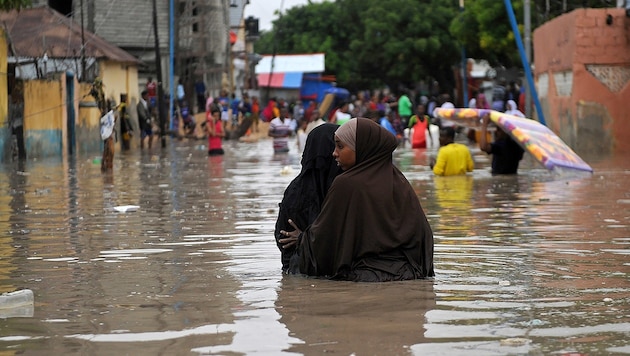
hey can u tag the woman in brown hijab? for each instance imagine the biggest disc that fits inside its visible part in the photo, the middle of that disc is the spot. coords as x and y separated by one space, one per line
371 227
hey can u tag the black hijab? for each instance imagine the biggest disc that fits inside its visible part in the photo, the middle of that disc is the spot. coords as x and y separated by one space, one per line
371 226
304 196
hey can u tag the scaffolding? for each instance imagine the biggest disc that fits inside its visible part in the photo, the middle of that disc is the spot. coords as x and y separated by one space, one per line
202 43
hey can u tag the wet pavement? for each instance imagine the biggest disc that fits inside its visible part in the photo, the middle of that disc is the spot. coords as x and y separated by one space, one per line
533 264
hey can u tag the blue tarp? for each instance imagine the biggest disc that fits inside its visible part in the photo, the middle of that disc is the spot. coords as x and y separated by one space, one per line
340 93
314 88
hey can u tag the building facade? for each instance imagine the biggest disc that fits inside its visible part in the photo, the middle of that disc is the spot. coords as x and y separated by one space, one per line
201 45
582 70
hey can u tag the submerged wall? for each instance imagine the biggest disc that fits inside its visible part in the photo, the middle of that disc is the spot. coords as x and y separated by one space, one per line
44 118
582 70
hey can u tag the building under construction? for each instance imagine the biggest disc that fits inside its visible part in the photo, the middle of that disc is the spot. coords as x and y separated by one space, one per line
203 45
201 35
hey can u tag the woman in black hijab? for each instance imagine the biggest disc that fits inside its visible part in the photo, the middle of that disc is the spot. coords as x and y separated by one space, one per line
304 196
371 227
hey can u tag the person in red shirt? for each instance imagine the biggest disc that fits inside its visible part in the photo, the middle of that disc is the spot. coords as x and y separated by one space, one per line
255 113
151 87
420 124
214 129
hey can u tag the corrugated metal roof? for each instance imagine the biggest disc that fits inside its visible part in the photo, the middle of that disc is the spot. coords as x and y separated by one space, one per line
40 30
237 7
304 63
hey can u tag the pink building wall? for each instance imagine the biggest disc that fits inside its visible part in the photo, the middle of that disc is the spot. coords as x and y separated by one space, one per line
582 72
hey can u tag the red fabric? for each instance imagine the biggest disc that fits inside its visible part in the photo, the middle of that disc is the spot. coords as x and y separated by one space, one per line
331 115
151 89
521 102
268 112
275 80
309 111
214 141
419 139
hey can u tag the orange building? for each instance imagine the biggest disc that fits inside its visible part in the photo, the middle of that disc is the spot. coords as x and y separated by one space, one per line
582 71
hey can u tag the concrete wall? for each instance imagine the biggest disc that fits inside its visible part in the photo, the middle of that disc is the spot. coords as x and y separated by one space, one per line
122 78
88 131
582 70
45 118
45 112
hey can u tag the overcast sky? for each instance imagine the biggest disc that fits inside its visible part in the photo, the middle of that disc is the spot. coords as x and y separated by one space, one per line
264 10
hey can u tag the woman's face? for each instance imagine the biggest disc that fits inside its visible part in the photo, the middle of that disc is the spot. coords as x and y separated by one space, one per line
344 155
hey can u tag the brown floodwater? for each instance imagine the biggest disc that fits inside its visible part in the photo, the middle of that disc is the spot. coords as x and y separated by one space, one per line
173 254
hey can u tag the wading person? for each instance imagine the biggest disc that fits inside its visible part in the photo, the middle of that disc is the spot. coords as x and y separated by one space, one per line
371 227
126 130
453 158
419 123
108 122
506 153
304 196
214 130
144 120
280 129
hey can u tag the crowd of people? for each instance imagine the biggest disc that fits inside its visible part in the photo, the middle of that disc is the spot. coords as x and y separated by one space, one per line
360 220
407 116
350 214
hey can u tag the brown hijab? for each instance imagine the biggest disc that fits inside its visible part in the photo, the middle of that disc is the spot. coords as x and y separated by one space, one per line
371 227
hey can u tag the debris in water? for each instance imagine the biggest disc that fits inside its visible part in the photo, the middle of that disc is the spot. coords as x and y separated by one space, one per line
126 208
17 304
286 170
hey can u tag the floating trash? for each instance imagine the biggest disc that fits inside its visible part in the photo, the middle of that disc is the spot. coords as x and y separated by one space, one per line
126 208
18 304
286 170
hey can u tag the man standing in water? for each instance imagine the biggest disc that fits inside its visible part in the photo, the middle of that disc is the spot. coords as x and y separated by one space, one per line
506 153
280 129
144 120
126 130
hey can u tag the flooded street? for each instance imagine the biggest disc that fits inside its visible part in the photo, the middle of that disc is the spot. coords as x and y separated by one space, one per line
532 264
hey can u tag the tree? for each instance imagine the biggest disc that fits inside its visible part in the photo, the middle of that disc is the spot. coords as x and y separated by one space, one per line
6 5
484 28
371 43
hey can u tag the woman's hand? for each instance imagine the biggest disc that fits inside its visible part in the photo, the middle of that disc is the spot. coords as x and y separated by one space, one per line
291 237
485 120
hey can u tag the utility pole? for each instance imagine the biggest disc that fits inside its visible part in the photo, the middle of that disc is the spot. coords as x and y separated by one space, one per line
528 53
160 89
82 76
464 67
275 50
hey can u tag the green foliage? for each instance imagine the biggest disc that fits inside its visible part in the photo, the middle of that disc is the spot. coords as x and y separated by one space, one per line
370 43
6 5
484 27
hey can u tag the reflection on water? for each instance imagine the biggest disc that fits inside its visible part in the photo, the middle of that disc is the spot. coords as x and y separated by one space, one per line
527 264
